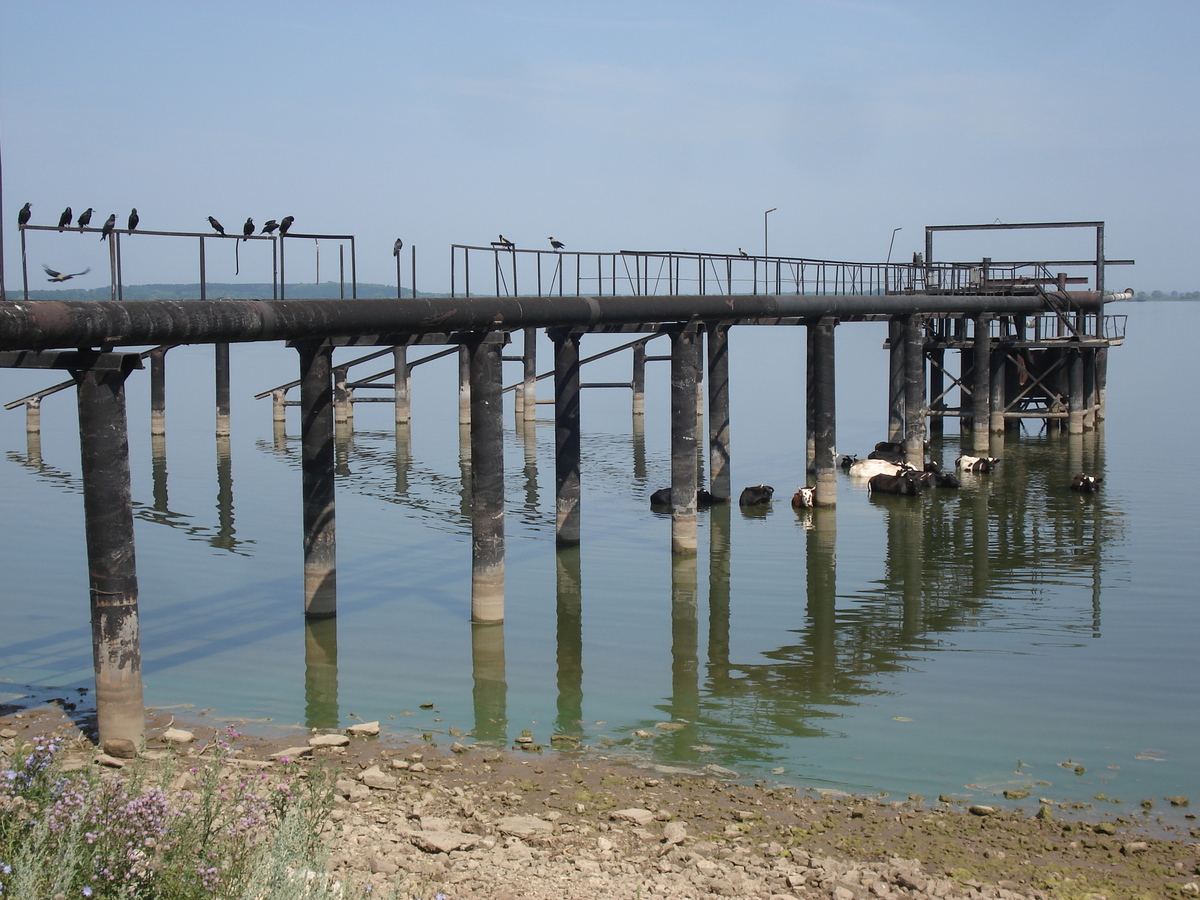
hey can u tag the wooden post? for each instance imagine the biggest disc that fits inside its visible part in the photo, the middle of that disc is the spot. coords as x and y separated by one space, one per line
487 478
684 475
981 387
718 411
914 391
317 463
566 435
821 366
112 566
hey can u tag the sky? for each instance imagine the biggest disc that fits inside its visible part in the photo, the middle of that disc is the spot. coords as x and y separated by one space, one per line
647 125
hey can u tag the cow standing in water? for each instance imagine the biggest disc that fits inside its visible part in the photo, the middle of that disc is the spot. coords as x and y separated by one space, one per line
757 495
804 498
976 463
906 484
1086 484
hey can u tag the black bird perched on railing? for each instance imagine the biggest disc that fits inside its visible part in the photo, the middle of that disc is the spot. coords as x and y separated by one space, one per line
557 245
743 253
397 247
269 227
505 243
23 215
217 226
133 219
248 228
286 223
59 276
65 219
109 224
84 218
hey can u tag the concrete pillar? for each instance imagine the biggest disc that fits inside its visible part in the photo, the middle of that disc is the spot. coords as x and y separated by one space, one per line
222 369
639 378
821 367
317 463
464 385
981 385
997 396
112 566
914 391
402 390
1101 382
158 391
529 391
487 479
33 416
278 407
684 428
718 412
896 376
1089 389
566 435
343 398
1075 391
810 403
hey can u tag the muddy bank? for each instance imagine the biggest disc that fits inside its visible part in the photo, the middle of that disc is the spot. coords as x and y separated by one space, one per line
480 822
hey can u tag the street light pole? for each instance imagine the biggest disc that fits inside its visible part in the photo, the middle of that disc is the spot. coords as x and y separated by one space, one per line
768 212
892 241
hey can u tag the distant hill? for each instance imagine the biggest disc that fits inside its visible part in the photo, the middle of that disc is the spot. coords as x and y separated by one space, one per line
217 291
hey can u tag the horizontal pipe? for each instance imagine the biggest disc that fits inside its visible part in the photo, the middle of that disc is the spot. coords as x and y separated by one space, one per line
44 324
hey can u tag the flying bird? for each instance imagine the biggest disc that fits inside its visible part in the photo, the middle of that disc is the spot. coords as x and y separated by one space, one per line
59 276
269 227
133 219
217 226
248 228
742 252
557 245
109 224
84 218
397 247
286 223
65 219
23 215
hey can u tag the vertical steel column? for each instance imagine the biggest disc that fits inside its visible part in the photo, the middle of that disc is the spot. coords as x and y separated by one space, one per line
158 391
998 395
566 434
981 386
1089 389
684 427
914 391
222 370
810 402
824 411
487 478
1075 391
402 384
896 370
112 566
529 393
464 385
639 378
1101 382
317 464
718 411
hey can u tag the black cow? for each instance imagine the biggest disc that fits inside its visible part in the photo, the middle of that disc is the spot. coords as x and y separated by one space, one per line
1086 484
847 461
757 495
906 484
939 480
662 498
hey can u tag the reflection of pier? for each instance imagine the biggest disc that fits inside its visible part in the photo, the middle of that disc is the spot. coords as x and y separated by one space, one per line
917 299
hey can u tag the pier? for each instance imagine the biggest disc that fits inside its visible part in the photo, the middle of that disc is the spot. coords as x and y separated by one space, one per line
1032 343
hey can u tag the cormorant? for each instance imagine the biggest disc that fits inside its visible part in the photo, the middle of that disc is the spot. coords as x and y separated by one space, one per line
248 228
220 229
286 223
84 218
133 219
23 215
109 224
59 276
397 247
557 245
65 219
269 227
743 253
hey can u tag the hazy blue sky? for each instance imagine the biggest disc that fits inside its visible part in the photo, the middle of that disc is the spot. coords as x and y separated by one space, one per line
655 125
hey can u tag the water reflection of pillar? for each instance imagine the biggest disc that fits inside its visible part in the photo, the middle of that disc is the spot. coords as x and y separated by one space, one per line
343 448
112 568
719 556
904 560
570 641
317 465
639 449
718 411
222 369
529 440
977 502
821 575
321 674
403 457
823 415
279 435
566 435
685 648
224 538
33 448
490 692
158 471
685 365
487 478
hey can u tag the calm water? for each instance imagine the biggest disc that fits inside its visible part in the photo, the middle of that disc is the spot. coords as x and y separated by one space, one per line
909 646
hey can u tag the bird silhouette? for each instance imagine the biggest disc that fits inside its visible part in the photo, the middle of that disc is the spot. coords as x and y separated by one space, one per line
217 226
23 215
133 219
397 247
84 218
109 224
248 228
286 223
65 219
269 227
743 253
59 276
505 243
557 245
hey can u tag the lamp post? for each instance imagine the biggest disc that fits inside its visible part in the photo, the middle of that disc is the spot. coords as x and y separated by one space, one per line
886 270
765 245
892 241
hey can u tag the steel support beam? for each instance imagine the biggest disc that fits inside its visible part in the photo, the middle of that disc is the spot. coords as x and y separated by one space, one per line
914 391
487 477
821 368
318 462
718 412
981 385
896 374
685 363
566 435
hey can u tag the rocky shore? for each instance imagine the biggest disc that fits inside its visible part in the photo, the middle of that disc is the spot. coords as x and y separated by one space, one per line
415 820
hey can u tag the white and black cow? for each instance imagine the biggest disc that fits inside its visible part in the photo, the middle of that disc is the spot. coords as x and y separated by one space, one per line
756 495
804 498
1086 484
976 463
866 468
